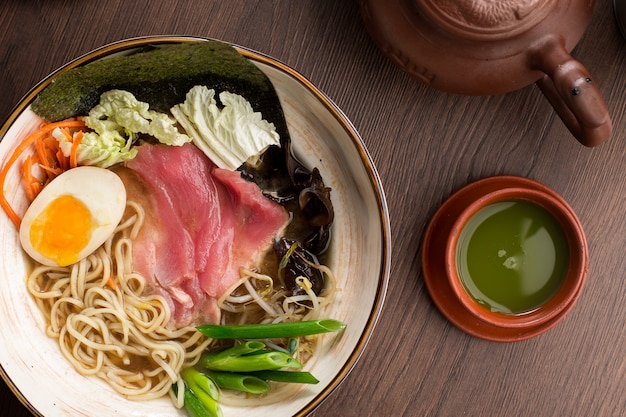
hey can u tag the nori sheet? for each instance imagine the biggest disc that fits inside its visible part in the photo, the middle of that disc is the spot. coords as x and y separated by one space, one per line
161 75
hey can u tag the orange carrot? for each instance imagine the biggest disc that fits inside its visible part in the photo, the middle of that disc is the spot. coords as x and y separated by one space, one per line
73 155
25 144
41 151
32 184
62 161
111 283
51 159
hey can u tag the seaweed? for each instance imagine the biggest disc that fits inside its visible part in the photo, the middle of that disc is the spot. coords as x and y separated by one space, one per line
161 75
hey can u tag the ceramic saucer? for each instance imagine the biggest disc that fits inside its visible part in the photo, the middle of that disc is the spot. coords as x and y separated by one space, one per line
434 268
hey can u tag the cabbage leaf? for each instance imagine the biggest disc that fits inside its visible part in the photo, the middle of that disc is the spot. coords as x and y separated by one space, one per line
101 150
228 136
116 122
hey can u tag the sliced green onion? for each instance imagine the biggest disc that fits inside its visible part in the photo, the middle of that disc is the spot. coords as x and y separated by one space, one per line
199 382
298 377
240 382
200 389
256 361
273 330
293 345
245 348
195 407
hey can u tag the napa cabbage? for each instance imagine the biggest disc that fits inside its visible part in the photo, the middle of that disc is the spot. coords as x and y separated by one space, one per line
228 135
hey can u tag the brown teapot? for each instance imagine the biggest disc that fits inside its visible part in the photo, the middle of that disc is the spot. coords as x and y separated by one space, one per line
487 47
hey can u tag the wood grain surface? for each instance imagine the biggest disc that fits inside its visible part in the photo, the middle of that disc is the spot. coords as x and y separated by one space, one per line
425 144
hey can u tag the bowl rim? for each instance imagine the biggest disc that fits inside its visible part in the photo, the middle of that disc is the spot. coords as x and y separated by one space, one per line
576 269
366 159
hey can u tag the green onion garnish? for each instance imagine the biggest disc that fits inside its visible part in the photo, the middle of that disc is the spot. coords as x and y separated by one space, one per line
273 330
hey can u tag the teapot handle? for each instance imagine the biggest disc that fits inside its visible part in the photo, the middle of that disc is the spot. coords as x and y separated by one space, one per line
569 88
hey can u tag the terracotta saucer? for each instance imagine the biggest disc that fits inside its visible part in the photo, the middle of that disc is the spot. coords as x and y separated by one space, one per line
434 264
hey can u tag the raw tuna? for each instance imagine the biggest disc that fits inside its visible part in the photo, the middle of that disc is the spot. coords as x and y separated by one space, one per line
202 225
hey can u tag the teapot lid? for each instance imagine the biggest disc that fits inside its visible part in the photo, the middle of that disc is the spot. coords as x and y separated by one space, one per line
482 19
473 47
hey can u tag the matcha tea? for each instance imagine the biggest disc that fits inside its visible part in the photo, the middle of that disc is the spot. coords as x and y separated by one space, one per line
512 256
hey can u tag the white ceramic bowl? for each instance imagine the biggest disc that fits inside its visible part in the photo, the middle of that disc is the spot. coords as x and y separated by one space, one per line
46 383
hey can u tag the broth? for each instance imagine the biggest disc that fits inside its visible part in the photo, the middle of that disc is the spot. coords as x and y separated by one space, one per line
512 256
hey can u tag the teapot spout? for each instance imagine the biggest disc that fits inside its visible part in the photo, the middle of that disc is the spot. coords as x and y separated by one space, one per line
573 94
586 117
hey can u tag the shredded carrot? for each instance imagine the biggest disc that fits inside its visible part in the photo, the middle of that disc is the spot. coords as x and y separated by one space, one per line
42 151
73 155
63 162
51 159
25 144
32 184
111 283
67 134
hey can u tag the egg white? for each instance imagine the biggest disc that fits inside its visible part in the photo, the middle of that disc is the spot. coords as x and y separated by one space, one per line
101 190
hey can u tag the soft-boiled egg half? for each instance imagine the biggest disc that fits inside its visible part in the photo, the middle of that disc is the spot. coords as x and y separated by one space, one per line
73 215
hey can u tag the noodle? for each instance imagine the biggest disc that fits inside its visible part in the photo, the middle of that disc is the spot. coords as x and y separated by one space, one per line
106 326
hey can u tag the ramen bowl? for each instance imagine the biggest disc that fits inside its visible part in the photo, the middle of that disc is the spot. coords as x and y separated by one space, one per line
514 258
48 385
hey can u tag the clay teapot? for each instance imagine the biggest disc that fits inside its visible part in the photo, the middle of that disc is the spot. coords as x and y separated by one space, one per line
487 47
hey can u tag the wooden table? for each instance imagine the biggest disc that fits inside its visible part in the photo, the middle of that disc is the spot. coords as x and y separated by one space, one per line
425 144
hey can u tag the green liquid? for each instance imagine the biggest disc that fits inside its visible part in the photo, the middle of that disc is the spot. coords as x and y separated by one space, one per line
512 256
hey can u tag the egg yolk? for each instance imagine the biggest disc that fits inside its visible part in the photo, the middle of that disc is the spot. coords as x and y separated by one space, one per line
62 230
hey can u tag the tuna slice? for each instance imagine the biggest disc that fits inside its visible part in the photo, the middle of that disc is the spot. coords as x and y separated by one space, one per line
202 225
